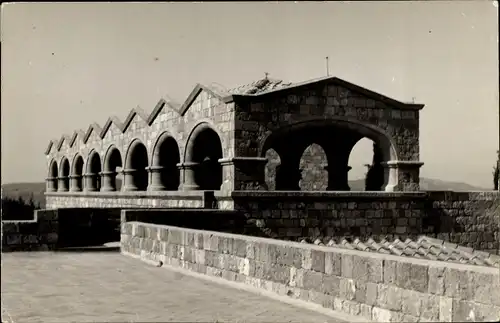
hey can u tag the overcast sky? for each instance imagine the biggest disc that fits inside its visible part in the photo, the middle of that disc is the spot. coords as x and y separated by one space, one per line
66 65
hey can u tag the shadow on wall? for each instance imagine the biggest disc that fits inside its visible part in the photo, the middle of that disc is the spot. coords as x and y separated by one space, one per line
18 209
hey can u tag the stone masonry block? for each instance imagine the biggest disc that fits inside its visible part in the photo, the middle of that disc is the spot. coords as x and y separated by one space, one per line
445 309
198 240
467 311
347 288
239 247
318 261
409 276
210 242
333 263
288 256
331 285
313 280
163 234
429 310
456 284
485 288
175 237
306 258
412 302
363 269
436 280
389 297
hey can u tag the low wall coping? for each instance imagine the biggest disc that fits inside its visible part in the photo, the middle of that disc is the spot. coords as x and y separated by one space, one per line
132 194
433 263
326 194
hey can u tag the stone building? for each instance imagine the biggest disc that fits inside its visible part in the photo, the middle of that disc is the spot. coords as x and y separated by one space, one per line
249 138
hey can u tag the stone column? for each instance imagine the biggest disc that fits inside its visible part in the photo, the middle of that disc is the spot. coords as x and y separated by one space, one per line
156 181
338 178
243 174
402 175
75 183
188 182
51 184
108 181
90 182
129 183
62 185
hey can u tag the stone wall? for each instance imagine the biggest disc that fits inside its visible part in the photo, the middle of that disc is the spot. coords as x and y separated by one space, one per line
377 287
164 199
38 234
466 218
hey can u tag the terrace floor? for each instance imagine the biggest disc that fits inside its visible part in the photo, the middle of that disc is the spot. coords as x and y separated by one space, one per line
110 287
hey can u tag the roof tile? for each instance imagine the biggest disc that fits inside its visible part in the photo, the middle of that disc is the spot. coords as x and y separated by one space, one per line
424 248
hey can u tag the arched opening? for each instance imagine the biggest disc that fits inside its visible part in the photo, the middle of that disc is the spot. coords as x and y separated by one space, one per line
367 174
204 149
272 165
136 175
318 159
77 174
64 176
112 178
313 166
164 171
94 168
52 182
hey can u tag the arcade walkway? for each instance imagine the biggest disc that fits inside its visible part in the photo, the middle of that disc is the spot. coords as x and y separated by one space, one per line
109 287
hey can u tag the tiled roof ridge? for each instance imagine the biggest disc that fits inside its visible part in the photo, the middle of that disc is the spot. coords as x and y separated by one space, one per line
423 247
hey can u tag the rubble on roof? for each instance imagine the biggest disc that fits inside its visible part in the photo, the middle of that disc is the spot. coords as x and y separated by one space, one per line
260 86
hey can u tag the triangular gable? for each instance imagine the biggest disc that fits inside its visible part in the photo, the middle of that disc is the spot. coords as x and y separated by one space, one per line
94 127
64 138
111 120
340 82
137 111
225 97
159 107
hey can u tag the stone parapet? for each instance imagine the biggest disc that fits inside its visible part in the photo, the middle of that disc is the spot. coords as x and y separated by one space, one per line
376 287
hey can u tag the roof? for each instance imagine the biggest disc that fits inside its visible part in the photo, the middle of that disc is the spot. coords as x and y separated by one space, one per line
423 247
260 86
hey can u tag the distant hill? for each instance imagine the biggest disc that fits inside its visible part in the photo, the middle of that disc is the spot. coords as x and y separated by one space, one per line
36 190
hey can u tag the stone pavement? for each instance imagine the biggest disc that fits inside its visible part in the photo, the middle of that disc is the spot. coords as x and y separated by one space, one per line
110 287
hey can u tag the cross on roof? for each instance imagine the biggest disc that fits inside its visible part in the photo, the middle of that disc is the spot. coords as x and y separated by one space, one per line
266 73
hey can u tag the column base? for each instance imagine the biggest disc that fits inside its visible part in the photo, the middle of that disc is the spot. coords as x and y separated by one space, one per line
188 187
108 189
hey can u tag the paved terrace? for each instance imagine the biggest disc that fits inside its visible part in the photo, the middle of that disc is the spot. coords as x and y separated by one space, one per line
109 287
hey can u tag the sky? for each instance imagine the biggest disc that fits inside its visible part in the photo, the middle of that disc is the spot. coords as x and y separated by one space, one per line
66 65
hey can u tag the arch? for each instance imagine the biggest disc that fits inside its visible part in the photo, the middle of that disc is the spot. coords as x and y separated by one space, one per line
204 149
164 158
136 162
77 165
195 131
93 170
112 161
53 169
53 174
77 173
64 172
378 135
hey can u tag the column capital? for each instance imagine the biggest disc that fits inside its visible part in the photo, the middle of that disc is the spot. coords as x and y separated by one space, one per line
104 173
74 176
402 164
127 171
152 169
89 174
241 160
187 165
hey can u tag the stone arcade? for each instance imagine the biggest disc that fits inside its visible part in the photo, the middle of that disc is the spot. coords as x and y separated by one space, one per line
218 140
